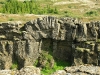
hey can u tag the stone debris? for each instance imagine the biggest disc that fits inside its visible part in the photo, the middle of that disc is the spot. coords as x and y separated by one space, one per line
79 70
28 70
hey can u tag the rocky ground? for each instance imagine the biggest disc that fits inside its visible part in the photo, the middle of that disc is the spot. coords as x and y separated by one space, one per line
73 70
79 70
29 70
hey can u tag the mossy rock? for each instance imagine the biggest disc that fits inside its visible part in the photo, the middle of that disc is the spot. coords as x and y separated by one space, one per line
80 49
87 50
98 40
45 60
89 42
50 65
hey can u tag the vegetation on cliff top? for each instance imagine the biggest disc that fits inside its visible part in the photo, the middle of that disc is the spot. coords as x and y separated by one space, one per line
85 10
31 7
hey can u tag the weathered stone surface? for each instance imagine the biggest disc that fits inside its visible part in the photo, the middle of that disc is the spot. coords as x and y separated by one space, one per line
79 70
6 53
69 39
28 70
83 70
73 70
59 72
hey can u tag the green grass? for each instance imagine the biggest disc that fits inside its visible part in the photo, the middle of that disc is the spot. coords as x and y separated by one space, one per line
91 13
14 65
76 10
11 19
58 65
48 58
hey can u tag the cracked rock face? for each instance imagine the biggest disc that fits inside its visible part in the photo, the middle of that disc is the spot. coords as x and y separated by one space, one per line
70 40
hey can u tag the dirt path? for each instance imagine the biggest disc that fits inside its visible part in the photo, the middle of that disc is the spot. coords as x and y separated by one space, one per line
89 3
65 2
84 1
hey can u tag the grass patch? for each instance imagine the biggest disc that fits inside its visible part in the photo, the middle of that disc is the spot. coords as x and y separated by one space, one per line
48 64
14 65
47 7
58 65
91 13
71 14
11 19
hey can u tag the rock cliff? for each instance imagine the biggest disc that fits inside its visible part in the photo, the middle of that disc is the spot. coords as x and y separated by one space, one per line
68 39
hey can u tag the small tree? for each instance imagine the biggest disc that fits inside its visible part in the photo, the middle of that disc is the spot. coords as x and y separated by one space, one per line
55 11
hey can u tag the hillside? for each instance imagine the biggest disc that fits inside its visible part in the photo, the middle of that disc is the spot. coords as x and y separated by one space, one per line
86 10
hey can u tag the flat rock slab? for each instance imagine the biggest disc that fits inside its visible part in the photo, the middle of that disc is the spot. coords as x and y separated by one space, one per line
79 70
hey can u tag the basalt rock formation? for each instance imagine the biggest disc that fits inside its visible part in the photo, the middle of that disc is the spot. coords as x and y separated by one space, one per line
69 39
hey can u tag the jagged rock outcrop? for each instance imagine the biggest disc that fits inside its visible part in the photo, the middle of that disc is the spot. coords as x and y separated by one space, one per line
69 39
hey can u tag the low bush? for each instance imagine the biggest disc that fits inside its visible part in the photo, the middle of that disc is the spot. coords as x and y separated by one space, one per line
14 65
91 13
48 69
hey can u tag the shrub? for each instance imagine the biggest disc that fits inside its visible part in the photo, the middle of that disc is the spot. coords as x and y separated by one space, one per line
91 13
1 2
56 11
14 65
32 7
58 65
11 19
47 56
65 11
